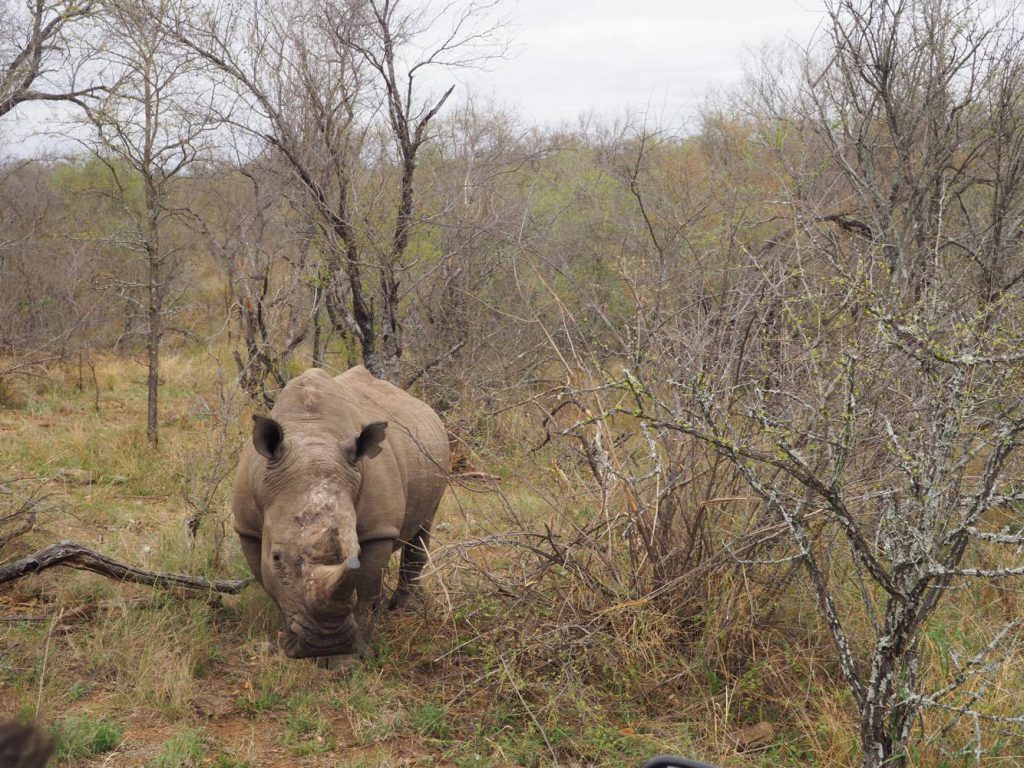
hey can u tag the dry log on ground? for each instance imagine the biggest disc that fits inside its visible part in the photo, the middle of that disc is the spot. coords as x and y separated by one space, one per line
73 555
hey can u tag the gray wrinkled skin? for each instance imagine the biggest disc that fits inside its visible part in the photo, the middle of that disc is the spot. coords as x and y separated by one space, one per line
343 472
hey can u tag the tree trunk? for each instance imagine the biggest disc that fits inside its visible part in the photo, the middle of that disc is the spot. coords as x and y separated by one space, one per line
153 377
385 362
885 728
154 308
879 751
318 342
362 310
154 260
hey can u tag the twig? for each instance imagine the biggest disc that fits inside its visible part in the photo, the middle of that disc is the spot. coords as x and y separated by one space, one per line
529 711
46 658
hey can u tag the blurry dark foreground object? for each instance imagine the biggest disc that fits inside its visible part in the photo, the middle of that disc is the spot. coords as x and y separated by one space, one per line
671 761
24 745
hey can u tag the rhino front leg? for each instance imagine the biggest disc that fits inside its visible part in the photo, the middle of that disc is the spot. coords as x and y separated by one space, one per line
252 547
414 557
373 558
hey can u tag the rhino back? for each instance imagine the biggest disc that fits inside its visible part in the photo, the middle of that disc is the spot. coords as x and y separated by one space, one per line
416 441
401 487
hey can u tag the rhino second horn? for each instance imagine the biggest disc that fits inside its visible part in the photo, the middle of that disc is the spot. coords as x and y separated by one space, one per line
326 547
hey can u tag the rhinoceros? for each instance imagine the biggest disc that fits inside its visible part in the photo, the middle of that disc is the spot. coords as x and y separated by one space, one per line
343 472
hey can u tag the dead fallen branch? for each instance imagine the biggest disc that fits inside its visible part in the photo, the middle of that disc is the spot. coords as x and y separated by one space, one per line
73 555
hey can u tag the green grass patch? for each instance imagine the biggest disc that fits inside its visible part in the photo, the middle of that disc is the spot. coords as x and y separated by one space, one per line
306 730
431 720
224 760
185 750
79 690
79 738
262 698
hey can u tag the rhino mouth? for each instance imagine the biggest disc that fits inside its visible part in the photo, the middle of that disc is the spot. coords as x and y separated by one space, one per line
304 642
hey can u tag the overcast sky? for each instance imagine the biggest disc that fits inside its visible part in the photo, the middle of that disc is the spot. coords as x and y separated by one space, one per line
571 56
575 56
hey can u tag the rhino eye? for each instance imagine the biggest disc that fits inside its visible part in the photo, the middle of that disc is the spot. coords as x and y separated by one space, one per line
278 563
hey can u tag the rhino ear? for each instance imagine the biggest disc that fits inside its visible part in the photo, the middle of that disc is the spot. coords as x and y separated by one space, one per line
267 437
366 443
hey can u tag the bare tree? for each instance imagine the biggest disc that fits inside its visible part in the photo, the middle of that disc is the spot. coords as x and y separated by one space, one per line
470 176
47 305
274 278
388 44
312 80
42 55
841 356
149 130
874 409
37 62
900 106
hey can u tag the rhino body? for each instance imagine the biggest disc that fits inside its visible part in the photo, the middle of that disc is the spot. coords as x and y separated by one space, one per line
344 471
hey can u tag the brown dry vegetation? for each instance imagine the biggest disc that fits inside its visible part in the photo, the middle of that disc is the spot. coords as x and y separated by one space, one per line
736 413
485 673
512 659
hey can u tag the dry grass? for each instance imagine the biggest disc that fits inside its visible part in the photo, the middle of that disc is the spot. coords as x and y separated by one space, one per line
526 651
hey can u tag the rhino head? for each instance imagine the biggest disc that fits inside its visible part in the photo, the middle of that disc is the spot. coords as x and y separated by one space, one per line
310 549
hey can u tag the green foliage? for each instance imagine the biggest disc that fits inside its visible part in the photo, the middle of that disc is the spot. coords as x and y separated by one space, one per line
224 760
185 750
431 719
79 738
79 690
306 731
262 698
108 181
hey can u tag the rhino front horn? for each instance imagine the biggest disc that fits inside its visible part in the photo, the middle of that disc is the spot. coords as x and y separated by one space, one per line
332 583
